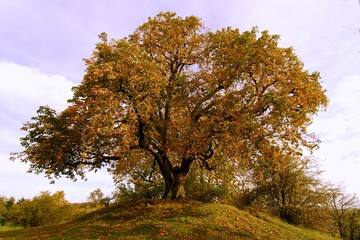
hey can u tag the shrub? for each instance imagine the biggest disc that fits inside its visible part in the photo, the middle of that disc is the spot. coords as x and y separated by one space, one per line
44 209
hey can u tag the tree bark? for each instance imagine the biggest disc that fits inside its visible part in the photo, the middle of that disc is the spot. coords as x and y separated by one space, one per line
169 183
175 184
178 189
174 177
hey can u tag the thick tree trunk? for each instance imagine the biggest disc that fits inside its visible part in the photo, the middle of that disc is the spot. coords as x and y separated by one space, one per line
178 189
175 185
169 183
174 177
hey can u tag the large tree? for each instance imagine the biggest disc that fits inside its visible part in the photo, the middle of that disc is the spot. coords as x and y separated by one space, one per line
174 93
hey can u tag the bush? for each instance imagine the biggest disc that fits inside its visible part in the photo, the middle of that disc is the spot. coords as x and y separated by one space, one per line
3 211
5 206
139 190
44 209
199 187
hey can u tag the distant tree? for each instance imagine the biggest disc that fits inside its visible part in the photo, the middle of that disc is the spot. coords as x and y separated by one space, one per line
299 196
345 212
10 202
291 189
96 197
352 224
175 93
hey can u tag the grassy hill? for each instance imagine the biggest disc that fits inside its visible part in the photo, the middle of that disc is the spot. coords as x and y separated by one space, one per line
160 219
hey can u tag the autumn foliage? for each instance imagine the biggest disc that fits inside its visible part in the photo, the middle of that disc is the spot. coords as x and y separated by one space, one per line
176 95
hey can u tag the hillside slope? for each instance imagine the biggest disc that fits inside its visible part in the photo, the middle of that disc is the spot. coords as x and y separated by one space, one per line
159 219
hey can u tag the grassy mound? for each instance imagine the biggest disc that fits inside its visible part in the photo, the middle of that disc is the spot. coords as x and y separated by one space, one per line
160 219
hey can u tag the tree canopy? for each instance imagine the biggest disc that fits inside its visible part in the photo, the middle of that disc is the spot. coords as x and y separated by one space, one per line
175 93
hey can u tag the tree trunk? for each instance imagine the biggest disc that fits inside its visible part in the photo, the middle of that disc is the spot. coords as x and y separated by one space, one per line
174 184
178 189
174 177
169 183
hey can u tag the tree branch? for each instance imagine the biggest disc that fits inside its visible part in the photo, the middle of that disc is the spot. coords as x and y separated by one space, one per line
208 154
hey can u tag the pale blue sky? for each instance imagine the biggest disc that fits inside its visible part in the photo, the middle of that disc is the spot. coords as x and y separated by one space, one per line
42 44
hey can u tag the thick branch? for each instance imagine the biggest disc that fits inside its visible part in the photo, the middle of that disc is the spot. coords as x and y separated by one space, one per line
141 133
208 154
110 158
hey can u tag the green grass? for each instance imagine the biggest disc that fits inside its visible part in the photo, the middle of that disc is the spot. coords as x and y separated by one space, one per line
160 219
8 228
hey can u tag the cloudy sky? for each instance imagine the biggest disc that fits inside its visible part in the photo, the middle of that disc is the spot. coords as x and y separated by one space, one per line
42 44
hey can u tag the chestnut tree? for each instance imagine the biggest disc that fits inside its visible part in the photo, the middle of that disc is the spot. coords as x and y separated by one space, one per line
176 95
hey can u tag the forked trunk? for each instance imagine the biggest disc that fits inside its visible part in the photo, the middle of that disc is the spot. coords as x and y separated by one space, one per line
174 177
175 184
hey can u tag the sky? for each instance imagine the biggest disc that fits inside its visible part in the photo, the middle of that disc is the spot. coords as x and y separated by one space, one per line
42 44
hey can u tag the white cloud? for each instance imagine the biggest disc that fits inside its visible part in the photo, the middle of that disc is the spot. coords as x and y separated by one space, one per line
339 131
22 91
24 88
